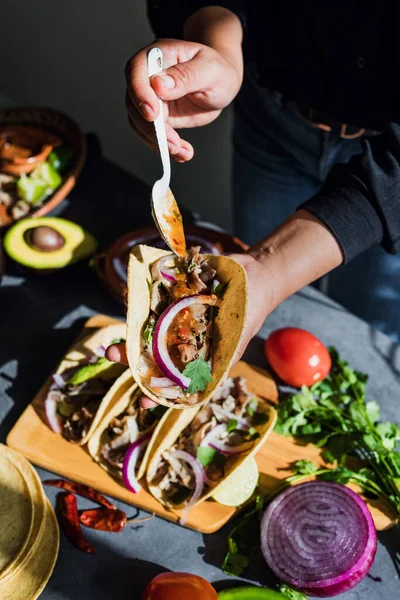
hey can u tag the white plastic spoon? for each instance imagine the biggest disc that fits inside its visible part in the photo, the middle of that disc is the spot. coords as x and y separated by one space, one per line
164 207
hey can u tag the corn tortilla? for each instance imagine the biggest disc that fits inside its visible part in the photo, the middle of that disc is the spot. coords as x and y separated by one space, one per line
29 582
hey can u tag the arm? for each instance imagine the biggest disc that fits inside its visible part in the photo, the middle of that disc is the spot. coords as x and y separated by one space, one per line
297 253
360 201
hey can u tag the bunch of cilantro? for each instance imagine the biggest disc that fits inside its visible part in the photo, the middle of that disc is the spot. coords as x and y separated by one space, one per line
334 415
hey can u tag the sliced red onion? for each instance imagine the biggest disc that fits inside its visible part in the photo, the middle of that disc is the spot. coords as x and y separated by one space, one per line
211 439
159 270
130 462
161 382
199 478
53 418
319 537
228 415
159 346
101 350
58 380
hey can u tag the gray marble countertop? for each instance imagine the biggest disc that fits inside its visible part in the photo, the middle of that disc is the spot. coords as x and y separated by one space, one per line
40 317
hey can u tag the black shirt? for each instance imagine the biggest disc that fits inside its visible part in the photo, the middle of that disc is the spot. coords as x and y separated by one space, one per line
342 58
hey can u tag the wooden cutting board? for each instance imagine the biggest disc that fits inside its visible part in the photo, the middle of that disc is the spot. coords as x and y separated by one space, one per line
33 438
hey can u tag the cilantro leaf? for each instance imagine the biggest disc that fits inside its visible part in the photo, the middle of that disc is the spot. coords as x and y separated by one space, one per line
148 333
291 593
373 411
231 426
244 539
220 289
208 456
305 467
199 371
235 564
252 407
339 475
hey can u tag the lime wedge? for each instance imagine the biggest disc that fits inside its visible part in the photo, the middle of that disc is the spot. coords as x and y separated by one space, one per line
240 485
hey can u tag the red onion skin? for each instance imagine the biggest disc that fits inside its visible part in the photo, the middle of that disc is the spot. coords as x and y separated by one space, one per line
342 582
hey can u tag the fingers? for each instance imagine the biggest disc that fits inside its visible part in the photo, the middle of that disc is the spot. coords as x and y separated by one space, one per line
117 353
195 75
140 91
146 402
179 149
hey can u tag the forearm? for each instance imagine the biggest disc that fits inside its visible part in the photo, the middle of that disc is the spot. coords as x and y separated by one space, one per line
219 28
300 251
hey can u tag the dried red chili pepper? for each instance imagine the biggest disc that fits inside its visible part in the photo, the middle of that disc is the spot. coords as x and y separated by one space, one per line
80 490
68 508
103 519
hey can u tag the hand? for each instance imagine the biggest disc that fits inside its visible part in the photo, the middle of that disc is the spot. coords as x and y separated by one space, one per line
196 84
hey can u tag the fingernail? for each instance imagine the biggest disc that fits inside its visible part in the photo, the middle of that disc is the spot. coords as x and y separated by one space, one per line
167 81
147 111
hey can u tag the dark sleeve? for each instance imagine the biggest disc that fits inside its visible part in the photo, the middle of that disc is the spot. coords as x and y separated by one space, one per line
360 201
167 17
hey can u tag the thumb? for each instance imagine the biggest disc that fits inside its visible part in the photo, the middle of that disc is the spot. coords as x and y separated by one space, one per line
195 75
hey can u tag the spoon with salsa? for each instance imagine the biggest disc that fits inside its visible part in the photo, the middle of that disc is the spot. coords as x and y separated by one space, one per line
164 207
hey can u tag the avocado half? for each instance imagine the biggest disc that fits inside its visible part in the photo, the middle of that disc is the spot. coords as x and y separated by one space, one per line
77 243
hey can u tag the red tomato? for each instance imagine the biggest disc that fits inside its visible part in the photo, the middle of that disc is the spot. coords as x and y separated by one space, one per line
179 586
297 356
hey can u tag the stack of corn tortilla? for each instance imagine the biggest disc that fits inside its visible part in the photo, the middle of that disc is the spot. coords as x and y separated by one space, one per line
29 534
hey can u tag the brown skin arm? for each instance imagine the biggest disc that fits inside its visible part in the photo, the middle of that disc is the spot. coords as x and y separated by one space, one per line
297 253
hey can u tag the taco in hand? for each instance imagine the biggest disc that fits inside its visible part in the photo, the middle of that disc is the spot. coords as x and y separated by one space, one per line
205 445
123 440
83 385
185 323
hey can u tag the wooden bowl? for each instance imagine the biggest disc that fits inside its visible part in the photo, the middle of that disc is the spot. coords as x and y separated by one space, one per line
23 147
60 129
111 265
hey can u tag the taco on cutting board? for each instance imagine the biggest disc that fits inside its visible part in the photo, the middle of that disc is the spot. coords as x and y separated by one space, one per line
206 444
82 385
123 441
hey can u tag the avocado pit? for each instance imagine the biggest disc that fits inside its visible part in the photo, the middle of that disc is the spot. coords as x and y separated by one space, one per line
44 238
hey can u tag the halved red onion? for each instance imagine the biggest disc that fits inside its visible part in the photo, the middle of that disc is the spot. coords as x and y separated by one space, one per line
159 346
227 414
58 380
211 439
53 418
161 382
159 270
319 537
130 462
199 474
